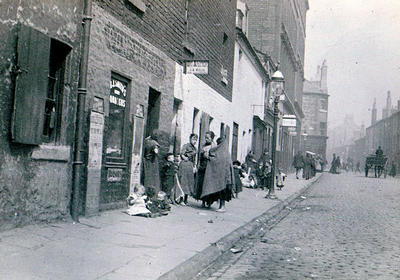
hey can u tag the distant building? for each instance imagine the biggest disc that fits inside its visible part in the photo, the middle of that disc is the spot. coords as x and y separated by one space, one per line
250 94
388 110
373 113
276 29
315 108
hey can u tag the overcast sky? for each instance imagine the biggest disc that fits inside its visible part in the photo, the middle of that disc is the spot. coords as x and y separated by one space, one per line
360 39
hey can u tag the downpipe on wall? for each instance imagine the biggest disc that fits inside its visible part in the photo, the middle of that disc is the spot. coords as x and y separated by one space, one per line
78 161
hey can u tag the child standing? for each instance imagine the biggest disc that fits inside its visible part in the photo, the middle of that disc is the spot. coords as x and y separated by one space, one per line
168 176
237 170
280 179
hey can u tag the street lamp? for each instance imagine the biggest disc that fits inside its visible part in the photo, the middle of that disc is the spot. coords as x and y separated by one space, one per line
277 88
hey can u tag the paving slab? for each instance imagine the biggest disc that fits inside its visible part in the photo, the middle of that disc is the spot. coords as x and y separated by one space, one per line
114 245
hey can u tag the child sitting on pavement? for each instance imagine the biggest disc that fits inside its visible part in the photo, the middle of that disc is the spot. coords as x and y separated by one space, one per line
157 203
137 202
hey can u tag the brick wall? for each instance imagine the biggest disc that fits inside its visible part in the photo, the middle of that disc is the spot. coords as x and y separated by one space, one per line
163 25
208 21
264 26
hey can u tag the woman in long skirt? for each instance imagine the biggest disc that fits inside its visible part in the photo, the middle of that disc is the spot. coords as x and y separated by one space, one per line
187 167
203 161
219 178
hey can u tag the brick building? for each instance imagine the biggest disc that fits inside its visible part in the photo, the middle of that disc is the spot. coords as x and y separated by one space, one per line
204 100
131 71
138 82
315 108
40 55
384 132
250 95
277 31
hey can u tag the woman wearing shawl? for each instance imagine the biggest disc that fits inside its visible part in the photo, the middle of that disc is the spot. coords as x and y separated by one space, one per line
203 160
219 177
151 171
187 167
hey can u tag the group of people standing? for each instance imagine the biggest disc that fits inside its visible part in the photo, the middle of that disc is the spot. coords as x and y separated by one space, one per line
207 176
306 163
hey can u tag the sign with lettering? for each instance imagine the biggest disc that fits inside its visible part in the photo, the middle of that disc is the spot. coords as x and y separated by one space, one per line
124 45
199 67
114 135
118 92
114 174
137 144
95 140
289 120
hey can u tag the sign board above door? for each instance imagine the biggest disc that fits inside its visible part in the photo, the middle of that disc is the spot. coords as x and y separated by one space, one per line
289 120
199 67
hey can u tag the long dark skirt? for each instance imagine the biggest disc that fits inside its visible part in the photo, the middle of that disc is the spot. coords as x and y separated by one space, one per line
186 177
151 174
226 194
199 183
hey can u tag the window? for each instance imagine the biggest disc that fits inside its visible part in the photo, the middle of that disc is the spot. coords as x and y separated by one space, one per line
323 104
239 19
222 130
322 127
196 120
115 130
55 86
39 87
138 4
225 39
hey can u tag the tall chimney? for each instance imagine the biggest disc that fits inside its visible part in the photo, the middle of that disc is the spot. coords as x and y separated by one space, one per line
374 113
324 77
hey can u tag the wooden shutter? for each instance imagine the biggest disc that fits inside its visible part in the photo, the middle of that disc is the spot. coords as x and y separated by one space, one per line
33 53
204 127
227 133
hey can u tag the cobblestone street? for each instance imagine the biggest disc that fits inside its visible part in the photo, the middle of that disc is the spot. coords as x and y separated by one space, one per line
346 227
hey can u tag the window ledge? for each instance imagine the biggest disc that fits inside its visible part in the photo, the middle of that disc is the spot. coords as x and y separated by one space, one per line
52 153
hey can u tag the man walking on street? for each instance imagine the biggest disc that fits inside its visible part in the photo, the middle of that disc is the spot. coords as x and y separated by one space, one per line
298 163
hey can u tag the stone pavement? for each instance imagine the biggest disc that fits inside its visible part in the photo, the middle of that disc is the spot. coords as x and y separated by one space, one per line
345 227
114 245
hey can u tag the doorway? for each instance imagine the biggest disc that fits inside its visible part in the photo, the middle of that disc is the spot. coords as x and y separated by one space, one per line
153 111
115 168
235 136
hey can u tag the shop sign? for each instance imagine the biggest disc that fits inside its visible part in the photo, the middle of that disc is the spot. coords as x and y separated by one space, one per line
199 67
118 92
289 120
114 174
95 140
292 133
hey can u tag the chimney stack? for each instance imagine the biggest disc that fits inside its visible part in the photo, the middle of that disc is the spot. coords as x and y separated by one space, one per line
374 113
324 77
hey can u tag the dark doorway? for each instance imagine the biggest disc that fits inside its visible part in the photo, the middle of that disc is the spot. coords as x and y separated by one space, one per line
175 128
153 111
235 135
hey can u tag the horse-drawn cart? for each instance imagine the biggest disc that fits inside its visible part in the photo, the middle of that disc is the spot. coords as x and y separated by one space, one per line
377 162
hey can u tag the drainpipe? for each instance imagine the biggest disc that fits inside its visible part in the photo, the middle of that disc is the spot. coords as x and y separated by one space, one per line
78 164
